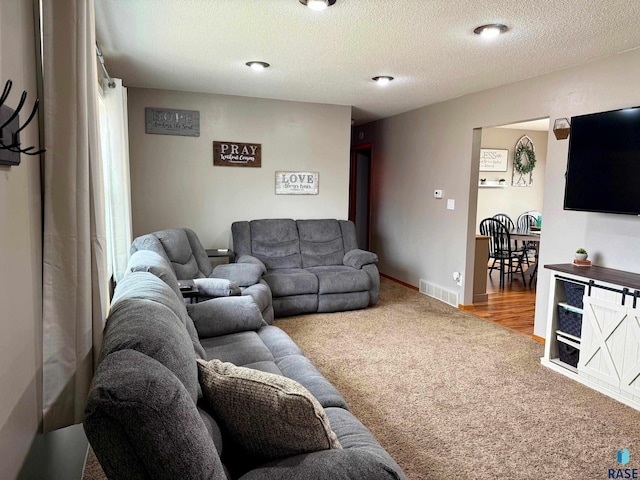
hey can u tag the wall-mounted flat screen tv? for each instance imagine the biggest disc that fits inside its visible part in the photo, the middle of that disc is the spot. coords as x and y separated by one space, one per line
603 169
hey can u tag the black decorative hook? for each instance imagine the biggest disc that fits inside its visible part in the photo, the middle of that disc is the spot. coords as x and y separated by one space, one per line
14 145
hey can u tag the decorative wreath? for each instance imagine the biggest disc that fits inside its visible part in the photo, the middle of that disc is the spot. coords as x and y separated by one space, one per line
527 152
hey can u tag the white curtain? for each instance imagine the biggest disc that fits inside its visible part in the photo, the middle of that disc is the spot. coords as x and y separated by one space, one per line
115 155
75 283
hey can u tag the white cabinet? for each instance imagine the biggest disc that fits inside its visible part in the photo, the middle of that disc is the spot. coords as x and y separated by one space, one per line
605 355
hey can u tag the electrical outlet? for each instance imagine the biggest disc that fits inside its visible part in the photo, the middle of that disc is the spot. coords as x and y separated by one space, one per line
457 276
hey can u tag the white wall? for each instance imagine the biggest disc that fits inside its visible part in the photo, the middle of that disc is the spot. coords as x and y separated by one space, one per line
20 253
174 182
419 151
512 200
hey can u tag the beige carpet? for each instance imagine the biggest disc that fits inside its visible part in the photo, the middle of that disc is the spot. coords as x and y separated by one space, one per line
452 396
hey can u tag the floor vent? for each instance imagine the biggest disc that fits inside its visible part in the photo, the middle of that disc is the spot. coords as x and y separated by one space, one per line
447 296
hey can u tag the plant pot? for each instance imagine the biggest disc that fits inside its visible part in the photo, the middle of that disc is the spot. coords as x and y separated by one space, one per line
581 256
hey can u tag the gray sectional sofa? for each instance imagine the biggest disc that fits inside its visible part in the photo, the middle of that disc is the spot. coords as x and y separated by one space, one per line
146 417
310 265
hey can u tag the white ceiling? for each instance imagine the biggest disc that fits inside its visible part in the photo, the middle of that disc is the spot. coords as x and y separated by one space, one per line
330 57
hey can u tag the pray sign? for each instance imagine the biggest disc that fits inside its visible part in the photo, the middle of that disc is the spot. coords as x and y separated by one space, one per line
234 154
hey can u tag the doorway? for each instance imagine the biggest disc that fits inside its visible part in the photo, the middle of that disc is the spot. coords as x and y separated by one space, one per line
360 193
502 189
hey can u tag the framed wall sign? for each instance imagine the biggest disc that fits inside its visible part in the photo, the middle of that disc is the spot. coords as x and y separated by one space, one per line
296 183
235 154
168 121
493 160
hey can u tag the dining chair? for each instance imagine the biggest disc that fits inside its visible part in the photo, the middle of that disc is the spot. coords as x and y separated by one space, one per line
505 220
525 221
501 250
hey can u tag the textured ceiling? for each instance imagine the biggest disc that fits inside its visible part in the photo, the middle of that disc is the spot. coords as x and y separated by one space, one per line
330 57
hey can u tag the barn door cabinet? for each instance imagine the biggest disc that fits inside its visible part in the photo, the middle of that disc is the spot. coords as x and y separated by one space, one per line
593 329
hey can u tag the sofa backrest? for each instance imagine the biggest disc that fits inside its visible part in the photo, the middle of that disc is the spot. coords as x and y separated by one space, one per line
144 316
181 247
287 243
273 241
149 261
320 242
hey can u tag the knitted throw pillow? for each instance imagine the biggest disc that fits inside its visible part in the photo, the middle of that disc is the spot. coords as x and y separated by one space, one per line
269 415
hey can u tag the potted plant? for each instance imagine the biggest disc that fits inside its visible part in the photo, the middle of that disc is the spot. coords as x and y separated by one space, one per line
581 254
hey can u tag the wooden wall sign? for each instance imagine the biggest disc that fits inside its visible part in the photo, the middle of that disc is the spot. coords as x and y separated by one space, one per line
234 154
167 121
297 183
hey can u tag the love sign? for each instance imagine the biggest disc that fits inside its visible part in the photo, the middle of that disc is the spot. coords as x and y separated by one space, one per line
296 183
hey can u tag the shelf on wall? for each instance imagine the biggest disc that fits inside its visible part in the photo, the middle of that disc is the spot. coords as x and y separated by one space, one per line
493 184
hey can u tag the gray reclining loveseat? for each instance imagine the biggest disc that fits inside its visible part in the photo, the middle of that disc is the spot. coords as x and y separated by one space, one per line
146 414
182 248
311 265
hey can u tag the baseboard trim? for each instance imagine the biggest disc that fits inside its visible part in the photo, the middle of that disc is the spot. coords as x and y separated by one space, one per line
465 307
538 339
412 287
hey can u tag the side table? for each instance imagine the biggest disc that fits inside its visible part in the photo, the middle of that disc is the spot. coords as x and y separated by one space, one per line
221 253
188 289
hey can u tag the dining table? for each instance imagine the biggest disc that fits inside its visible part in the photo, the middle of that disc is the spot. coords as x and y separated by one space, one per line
528 234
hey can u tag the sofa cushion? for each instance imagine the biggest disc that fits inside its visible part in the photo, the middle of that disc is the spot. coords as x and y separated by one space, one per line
142 423
238 348
243 274
177 244
342 302
275 242
269 416
291 281
340 279
221 316
320 242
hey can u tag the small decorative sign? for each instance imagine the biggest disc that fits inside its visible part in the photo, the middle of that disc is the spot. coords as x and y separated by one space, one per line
234 154
167 121
296 183
493 160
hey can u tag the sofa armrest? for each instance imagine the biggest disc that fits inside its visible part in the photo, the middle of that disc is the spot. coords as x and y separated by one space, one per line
242 274
224 315
251 259
357 258
216 287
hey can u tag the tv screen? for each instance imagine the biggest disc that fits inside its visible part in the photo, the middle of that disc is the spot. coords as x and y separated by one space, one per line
603 169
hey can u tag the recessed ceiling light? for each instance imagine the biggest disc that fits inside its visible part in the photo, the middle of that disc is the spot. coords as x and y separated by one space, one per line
490 30
318 4
258 66
382 80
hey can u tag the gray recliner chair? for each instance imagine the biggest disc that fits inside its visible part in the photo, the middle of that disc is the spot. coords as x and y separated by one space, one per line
182 248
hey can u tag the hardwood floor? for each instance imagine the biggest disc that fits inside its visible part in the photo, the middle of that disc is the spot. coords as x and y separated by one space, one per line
512 307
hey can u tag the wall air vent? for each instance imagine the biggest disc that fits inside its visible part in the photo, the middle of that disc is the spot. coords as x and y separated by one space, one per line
431 290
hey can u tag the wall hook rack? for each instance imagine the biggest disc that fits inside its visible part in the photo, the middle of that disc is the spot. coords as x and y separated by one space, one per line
10 128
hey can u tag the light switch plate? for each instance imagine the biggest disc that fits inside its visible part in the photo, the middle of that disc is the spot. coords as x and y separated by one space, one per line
451 204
